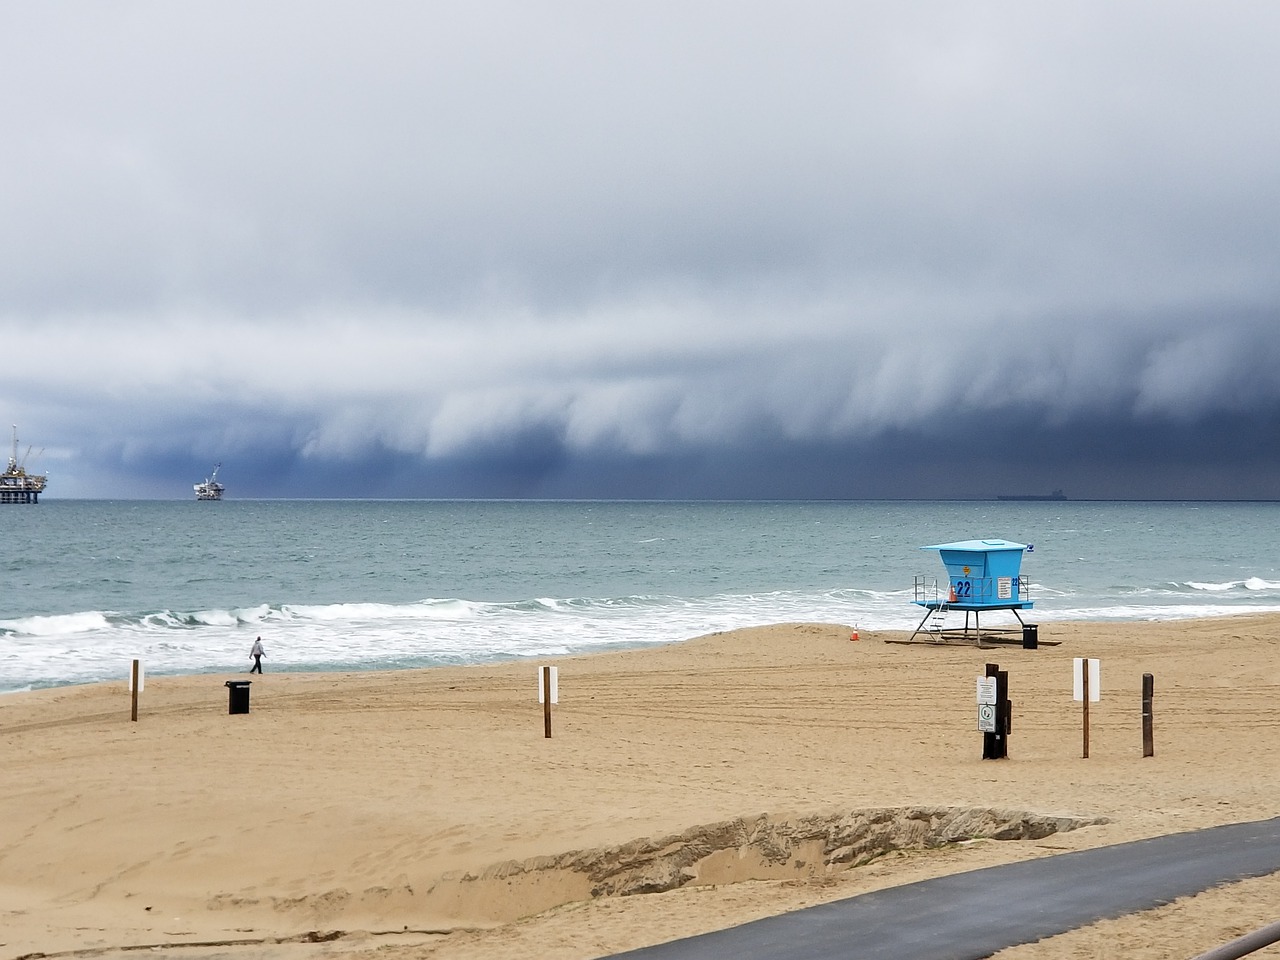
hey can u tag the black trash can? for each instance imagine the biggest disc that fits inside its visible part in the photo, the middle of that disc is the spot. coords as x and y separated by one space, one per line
238 696
1030 638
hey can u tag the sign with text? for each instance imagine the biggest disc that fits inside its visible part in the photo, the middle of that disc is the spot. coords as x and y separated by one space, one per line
986 689
986 718
1095 681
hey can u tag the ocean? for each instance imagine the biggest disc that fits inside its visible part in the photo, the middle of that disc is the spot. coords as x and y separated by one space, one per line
185 586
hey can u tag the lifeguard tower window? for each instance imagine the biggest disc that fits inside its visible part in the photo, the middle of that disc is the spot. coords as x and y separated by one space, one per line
982 575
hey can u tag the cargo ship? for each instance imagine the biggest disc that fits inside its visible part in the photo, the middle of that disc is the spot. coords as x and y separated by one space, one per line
1056 495
16 485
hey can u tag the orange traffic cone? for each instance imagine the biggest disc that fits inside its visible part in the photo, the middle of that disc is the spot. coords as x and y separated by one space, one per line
854 635
952 598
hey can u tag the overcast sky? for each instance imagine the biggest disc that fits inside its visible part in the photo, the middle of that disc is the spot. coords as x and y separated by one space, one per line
642 249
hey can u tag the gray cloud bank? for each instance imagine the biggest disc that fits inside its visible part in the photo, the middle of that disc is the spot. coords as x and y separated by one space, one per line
643 249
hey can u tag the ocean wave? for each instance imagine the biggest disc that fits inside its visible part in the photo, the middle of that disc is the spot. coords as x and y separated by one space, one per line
214 618
58 624
97 645
1160 612
369 612
1250 583
883 609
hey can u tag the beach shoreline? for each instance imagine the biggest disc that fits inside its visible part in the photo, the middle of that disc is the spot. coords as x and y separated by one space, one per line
425 813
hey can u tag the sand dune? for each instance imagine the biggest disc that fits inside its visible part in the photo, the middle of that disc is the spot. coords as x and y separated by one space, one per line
685 788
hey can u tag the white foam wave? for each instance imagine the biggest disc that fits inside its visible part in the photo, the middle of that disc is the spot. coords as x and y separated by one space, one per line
215 618
258 614
381 612
93 646
163 620
57 625
1160 612
1251 583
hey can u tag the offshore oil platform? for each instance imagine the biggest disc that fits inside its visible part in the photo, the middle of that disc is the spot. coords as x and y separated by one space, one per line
16 485
211 489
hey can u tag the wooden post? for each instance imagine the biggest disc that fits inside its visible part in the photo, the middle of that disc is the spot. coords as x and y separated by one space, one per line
1148 694
546 702
1085 680
134 687
1004 713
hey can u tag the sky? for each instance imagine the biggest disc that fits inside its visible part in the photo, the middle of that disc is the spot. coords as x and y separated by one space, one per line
715 249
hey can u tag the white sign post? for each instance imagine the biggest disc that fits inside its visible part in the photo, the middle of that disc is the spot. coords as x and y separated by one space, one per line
548 693
1087 686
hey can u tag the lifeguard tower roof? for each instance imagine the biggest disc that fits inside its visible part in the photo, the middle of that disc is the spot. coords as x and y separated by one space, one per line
978 546
983 574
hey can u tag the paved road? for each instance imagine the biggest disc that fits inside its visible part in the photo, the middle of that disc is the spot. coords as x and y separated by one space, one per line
971 915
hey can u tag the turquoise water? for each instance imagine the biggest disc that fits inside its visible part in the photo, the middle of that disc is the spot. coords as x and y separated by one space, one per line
186 586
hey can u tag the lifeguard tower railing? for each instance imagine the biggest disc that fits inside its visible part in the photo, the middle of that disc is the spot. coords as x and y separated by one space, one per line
980 591
976 594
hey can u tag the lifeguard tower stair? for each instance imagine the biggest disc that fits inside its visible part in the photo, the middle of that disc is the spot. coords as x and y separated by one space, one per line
982 576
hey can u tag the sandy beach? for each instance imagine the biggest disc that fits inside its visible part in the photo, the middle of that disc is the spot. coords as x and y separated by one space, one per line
685 788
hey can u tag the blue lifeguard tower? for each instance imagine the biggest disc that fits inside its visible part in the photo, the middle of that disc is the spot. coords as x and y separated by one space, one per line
981 575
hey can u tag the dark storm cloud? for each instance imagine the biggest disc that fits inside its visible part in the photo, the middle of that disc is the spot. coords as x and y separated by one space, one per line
579 249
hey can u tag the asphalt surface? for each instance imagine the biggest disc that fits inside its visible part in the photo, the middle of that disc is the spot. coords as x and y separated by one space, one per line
971 915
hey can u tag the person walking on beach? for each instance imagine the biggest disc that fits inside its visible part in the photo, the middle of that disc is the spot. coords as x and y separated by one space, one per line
255 654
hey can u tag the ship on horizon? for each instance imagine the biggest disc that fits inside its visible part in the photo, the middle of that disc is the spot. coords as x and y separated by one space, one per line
1056 495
